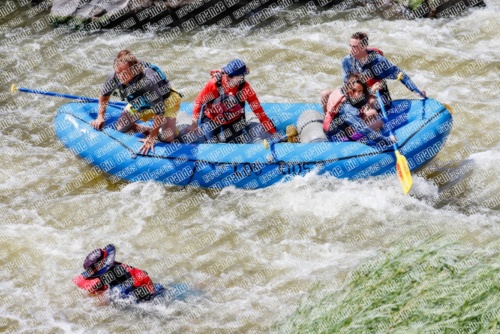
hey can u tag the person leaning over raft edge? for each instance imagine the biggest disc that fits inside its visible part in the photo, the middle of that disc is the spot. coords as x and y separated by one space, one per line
149 94
372 67
102 272
221 104
348 108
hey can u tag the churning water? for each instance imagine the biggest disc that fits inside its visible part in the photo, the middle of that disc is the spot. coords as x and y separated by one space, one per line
313 254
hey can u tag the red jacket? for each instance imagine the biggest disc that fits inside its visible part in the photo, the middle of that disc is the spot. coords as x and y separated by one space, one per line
118 274
247 94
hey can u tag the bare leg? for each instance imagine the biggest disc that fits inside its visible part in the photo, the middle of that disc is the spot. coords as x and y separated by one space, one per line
145 130
168 129
126 122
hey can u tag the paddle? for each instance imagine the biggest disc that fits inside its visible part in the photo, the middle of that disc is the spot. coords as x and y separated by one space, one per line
402 169
14 89
291 133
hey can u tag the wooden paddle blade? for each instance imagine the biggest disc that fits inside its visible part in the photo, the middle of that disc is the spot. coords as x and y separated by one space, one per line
266 144
403 171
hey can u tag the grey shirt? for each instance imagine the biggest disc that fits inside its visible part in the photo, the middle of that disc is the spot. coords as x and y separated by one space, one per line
146 91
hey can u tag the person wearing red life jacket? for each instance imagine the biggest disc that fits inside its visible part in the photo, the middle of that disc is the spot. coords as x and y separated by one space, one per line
221 105
373 69
346 112
102 272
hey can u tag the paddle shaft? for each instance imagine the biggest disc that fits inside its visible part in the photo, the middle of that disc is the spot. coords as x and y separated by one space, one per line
395 143
117 104
420 93
277 140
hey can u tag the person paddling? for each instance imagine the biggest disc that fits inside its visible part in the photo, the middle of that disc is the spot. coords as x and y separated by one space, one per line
221 104
149 94
347 110
373 68
102 273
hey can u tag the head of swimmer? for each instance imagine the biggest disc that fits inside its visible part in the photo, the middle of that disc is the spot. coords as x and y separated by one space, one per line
126 66
358 44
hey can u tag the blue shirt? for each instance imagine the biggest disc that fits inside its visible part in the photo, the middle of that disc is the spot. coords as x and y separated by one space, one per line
376 67
348 120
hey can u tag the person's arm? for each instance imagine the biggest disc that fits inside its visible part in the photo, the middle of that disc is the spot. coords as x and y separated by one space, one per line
352 118
91 285
384 69
99 122
158 107
249 95
208 93
149 141
106 90
142 286
346 68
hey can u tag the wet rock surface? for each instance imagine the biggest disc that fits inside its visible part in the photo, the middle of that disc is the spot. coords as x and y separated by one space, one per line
189 14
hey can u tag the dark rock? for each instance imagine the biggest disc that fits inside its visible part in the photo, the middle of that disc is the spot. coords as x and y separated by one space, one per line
190 14
442 8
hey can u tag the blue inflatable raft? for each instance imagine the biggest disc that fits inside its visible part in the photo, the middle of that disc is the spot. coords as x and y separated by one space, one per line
421 127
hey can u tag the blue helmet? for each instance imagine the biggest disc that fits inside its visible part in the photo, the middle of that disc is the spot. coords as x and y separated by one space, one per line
235 67
99 261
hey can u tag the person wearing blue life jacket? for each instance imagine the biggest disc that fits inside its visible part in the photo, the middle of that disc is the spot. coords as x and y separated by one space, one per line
373 69
346 116
149 95
102 273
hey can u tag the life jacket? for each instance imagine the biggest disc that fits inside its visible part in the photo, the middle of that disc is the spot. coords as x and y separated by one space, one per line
372 81
164 84
141 280
120 273
377 50
335 100
225 108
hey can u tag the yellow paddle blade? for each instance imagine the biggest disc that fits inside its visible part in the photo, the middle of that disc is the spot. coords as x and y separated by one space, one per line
266 144
448 107
400 76
291 133
403 172
13 89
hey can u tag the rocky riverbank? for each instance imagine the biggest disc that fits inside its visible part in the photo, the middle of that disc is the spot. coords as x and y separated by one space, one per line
188 14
